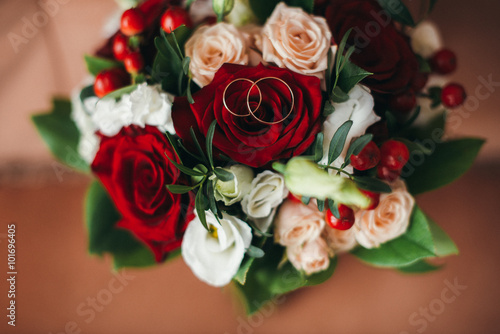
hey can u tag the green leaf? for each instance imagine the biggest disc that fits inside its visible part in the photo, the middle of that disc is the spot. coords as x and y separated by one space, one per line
116 94
398 11
435 95
448 162
338 141
334 209
98 64
356 147
210 138
419 267
101 218
198 146
321 205
255 252
212 204
350 76
179 188
201 204
328 109
223 174
421 240
318 147
184 169
423 64
338 95
241 275
87 92
371 184
305 200
61 135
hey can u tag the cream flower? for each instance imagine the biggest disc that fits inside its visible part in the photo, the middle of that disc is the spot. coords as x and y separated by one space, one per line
215 256
267 192
311 257
151 106
293 39
211 46
426 39
358 109
88 144
234 190
297 223
339 241
388 221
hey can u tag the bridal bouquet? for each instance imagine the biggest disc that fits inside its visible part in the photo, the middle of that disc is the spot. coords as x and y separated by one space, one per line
262 140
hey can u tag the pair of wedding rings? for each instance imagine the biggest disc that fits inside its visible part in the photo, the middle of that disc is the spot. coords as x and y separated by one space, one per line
251 112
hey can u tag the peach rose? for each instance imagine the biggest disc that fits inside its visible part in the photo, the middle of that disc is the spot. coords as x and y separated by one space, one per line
388 221
211 46
297 223
339 241
311 257
293 39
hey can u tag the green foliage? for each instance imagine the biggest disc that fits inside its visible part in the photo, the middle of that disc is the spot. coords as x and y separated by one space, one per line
423 239
448 161
61 135
398 11
264 8
98 64
267 278
104 237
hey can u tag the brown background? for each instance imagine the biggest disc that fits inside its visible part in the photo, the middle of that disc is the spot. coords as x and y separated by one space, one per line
56 275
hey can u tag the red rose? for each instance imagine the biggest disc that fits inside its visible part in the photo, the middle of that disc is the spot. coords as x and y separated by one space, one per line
381 49
133 168
246 139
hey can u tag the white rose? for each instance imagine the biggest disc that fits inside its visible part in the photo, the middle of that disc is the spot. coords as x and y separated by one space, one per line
267 192
234 190
211 46
297 223
311 257
388 221
151 106
358 109
426 39
293 39
427 112
340 241
215 256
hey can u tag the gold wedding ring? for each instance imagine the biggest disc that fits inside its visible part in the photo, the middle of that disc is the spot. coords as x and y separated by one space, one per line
252 111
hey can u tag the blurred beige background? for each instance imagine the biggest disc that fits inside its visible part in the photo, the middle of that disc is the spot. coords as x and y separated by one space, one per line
57 278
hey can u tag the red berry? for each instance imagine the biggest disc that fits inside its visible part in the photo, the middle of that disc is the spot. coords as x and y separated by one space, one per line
419 81
444 61
387 174
345 220
367 158
453 95
394 155
132 22
120 46
110 80
133 62
294 198
403 102
374 199
175 17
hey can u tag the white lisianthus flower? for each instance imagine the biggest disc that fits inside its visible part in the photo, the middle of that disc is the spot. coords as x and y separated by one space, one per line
88 143
426 39
215 256
146 105
212 46
234 190
151 106
340 241
296 40
267 192
311 257
297 223
358 109
388 221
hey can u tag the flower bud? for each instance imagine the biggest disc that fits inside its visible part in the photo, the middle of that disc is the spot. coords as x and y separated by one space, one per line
222 7
304 177
241 14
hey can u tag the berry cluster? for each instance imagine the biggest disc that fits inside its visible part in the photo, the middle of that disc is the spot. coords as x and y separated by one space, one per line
126 46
